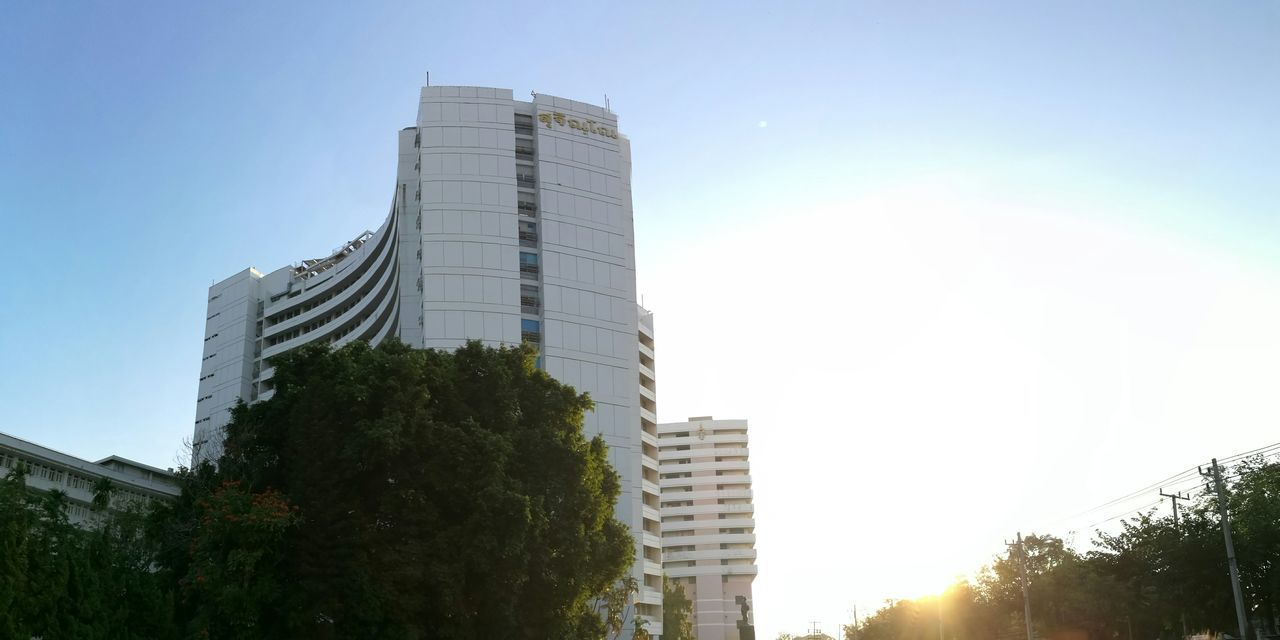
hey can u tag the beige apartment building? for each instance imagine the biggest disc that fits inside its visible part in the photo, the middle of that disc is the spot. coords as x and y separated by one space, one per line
708 520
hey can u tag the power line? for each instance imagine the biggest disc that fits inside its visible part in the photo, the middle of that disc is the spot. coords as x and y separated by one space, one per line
1188 474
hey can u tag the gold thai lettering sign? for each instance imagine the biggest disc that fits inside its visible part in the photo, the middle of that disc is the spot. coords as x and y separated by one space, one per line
587 127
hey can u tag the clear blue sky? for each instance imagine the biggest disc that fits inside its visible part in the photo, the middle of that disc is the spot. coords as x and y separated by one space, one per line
1009 151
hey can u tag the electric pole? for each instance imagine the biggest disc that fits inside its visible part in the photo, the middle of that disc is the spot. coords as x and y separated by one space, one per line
939 616
1022 570
1221 492
1174 498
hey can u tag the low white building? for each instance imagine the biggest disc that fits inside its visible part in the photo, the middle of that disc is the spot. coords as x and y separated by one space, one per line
49 470
708 520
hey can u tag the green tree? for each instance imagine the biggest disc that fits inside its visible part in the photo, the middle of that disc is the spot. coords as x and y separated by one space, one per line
60 581
420 494
676 611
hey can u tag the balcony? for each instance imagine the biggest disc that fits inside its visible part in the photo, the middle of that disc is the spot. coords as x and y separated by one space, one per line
650 540
710 554
714 525
528 209
525 180
529 239
530 304
532 337
525 152
529 271
524 129
649 513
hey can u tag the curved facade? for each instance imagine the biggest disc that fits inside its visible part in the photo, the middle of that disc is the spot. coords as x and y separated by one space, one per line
510 222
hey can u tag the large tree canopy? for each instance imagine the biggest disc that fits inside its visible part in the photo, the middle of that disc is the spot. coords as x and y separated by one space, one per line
398 493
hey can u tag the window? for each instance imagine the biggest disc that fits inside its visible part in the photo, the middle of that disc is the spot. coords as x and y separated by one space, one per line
528 234
530 299
530 330
529 265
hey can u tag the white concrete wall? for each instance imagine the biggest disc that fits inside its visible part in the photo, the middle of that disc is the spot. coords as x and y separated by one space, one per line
470 252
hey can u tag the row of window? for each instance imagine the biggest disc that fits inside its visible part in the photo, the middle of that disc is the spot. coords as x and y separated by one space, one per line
350 279
119 497
289 335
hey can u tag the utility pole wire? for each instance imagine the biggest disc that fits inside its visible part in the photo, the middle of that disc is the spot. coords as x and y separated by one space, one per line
1022 566
1174 498
1216 474
1174 479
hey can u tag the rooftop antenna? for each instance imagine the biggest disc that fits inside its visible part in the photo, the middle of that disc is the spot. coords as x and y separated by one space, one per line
428 78
606 103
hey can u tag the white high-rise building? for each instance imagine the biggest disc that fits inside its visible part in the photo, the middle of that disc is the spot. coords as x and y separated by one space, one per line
708 520
510 221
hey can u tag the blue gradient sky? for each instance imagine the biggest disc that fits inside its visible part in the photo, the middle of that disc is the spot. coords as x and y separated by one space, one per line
1067 208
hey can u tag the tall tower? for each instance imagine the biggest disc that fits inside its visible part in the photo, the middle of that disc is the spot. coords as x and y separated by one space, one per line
510 222
708 520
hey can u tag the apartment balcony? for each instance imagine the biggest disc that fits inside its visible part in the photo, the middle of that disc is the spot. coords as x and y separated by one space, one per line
709 554
532 337
646 350
704 509
689 482
524 130
723 465
530 304
650 416
652 568
529 271
726 523
649 513
711 538
713 570
650 596
526 181
529 239
524 152
650 540
650 487
715 438
648 438
711 494
648 462
647 372
646 393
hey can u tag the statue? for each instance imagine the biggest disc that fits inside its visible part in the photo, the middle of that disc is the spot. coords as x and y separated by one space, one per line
746 631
